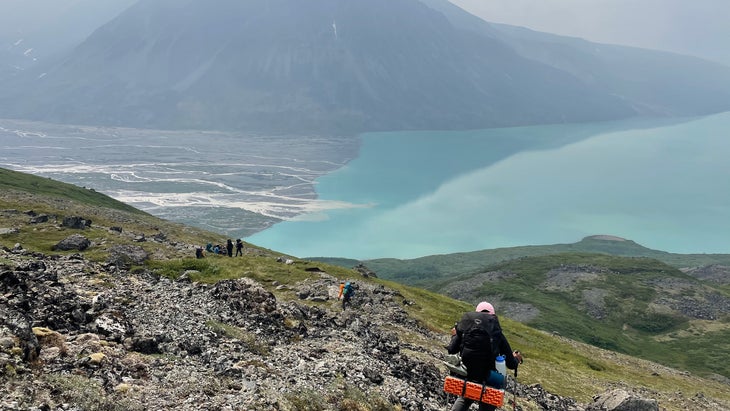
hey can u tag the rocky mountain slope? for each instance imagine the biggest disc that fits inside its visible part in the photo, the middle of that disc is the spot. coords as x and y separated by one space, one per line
106 309
333 66
99 337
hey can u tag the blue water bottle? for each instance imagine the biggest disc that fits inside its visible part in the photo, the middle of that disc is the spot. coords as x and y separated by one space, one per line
497 378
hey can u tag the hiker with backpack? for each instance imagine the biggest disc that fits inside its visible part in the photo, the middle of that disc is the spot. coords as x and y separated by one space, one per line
347 292
478 338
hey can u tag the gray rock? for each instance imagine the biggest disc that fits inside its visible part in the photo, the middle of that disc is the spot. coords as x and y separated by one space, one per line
159 237
365 271
145 345
621 400
76 222
546 400
42 218
186 275
127 255
113 326
73 242
18 324
7 342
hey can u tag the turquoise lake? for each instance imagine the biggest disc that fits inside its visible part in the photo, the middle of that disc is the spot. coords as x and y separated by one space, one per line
662 183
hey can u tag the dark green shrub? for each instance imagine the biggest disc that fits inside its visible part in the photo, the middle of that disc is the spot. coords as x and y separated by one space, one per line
655 323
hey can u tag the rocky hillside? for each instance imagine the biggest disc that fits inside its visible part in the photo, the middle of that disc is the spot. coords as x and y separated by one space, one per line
103 309
100 337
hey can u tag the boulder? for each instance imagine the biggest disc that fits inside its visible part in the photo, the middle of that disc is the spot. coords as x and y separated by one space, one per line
17 325
145 345
621 400
127 255
245 295
364 271
76 222
37 219
112 325
546 400
73 242
159 237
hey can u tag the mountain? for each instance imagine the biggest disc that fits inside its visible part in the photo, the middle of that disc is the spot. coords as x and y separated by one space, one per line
135 322
352 66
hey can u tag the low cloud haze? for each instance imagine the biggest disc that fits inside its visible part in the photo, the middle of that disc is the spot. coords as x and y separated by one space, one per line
697 27
54 23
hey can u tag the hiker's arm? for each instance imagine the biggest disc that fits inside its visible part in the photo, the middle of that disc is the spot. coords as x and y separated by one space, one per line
512 358
455 343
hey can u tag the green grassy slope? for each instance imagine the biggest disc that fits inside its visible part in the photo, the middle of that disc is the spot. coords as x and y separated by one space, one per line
13 180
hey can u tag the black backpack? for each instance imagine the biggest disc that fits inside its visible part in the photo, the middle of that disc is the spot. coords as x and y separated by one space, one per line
480 332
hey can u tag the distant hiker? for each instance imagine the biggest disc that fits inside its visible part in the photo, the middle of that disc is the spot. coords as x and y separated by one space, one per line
209 247
199 252
342 288
347 293
239 247
217 249
229 247
478 338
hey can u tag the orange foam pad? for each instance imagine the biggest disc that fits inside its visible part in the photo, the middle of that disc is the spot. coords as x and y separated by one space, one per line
474 391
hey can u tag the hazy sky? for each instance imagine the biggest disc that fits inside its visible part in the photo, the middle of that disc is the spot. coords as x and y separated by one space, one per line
697 27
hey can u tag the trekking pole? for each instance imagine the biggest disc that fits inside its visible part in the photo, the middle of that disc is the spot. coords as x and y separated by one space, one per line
514 393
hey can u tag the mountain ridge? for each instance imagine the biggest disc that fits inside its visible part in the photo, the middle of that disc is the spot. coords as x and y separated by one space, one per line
345 67
445 265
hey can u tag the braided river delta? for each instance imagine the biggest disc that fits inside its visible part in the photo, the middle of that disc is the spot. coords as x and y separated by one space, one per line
663 183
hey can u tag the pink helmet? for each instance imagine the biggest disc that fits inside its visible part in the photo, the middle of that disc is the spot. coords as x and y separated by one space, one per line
485 306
